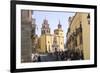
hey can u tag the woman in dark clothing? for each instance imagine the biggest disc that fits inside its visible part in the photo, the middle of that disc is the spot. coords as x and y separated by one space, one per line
39 59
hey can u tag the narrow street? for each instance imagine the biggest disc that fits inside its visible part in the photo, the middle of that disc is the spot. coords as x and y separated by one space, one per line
59 56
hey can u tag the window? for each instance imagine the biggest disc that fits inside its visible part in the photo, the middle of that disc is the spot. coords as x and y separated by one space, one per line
81 38
75 41
61 43
48 31
57 33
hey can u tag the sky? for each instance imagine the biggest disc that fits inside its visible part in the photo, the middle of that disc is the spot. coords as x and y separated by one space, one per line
53 20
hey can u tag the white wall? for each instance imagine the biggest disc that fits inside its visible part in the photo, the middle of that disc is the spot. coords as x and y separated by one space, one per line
5 36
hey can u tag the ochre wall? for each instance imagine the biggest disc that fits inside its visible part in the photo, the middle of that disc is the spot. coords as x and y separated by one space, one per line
81 18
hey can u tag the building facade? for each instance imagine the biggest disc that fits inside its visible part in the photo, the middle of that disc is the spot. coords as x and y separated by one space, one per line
45 39
49 42
78 35
59 38
34 36
26 42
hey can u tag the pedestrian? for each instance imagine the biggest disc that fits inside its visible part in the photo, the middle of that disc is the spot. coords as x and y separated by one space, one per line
32 57
39 59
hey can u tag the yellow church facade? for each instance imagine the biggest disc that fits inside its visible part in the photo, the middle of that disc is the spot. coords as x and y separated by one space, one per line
50 42
45 43
59 34
78 35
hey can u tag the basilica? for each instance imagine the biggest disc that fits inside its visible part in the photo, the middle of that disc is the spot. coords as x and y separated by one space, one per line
48 42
